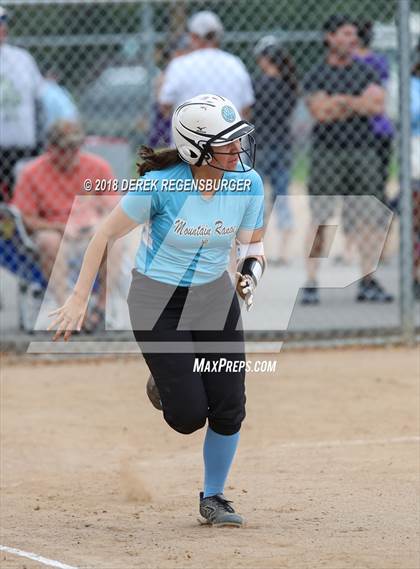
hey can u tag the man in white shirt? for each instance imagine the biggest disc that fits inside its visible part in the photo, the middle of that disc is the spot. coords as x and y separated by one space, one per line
207 69
20 88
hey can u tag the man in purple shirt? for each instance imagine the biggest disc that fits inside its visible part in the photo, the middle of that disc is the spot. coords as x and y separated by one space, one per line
381 125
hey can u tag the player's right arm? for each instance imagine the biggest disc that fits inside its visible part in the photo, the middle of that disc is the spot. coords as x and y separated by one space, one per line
71 315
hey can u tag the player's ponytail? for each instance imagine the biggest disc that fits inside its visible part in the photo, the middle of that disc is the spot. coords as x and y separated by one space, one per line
150 159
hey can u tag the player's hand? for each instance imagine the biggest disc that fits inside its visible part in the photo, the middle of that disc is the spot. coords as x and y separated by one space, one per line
245 287
69 317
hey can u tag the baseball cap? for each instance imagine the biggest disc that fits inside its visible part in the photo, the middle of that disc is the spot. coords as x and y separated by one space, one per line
204 23
65 134
336 21
266 43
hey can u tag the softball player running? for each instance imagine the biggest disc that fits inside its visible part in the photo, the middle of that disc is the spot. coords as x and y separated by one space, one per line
182 301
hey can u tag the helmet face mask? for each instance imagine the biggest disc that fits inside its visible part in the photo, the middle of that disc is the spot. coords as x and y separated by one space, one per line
245 156
204 123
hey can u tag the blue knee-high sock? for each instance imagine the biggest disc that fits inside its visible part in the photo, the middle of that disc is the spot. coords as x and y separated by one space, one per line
218 453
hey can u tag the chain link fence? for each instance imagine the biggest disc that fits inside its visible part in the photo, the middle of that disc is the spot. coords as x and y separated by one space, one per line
327 85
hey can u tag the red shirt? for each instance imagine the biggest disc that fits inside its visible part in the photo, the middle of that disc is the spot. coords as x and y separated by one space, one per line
45 191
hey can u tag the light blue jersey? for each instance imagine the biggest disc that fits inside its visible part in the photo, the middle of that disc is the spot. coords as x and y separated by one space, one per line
187 238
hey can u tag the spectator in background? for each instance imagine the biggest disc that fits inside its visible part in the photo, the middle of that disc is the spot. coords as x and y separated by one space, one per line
57 103
415 165
20 88
342 95
45 192
276 93
207 69
381 125
160 130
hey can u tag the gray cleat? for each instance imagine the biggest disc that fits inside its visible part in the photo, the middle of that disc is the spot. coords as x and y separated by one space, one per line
217 511
153 393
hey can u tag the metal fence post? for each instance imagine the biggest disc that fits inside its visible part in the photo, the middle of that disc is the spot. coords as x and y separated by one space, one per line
406 227
148 45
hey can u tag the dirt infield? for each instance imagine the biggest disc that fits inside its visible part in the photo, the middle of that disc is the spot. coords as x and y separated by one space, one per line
326 472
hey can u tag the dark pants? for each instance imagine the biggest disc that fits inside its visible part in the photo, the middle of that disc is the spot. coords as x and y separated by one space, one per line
193 318
384 147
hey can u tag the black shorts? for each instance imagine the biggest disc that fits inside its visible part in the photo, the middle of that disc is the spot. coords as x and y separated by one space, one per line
174 326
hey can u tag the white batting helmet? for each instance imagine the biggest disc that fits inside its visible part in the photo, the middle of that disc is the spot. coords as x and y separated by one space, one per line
205 122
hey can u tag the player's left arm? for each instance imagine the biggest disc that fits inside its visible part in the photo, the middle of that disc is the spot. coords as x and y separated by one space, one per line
251 263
